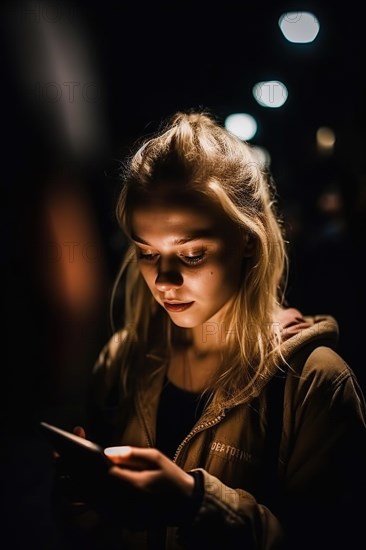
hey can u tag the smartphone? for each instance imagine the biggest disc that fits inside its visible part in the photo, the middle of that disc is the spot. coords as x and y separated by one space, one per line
81 457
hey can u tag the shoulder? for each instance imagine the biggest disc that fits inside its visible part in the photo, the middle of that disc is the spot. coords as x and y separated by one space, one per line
112 350
327 366
122 345
107 370
110 361
323 376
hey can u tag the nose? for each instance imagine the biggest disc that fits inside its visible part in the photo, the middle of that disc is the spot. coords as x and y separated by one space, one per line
168 279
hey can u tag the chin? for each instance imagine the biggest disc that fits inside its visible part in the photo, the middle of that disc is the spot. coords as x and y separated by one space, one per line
183 323
184 319
188 321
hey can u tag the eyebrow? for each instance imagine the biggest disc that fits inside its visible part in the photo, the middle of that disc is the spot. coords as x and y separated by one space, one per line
201 234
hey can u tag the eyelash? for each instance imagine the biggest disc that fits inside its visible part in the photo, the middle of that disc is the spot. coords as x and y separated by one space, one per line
190 260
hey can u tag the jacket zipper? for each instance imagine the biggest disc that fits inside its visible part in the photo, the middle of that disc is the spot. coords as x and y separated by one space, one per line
192 433
197 429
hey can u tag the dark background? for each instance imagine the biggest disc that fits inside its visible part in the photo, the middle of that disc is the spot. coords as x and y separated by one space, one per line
131 66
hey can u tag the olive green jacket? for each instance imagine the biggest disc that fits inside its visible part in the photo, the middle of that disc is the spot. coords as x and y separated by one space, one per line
318 466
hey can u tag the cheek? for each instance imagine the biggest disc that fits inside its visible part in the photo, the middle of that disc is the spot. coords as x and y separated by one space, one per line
148 274
216 283
224 279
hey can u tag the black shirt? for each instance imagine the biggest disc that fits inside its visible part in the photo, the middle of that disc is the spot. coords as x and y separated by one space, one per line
178 412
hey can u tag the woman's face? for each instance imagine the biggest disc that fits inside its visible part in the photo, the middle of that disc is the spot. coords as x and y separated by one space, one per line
190 255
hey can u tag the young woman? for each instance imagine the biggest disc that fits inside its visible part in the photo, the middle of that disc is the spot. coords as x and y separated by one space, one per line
230 417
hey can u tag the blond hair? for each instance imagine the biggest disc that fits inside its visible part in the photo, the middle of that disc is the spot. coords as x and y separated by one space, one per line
193 150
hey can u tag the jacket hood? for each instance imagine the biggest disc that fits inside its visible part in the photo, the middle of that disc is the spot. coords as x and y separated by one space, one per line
298 330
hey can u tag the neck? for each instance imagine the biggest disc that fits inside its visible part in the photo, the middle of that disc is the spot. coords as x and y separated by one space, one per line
211 336
192 365
208 337
197 369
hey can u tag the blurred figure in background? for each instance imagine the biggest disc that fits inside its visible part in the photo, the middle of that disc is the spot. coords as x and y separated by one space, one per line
59 280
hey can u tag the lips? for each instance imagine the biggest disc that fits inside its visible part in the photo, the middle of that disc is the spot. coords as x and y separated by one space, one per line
177 306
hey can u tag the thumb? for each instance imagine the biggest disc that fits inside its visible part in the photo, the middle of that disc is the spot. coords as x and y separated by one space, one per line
118 455
79 430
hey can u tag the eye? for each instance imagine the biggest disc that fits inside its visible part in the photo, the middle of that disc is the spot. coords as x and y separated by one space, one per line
193 259
147 256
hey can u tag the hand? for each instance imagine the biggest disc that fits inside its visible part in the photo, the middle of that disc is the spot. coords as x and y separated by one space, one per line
150 472
79 430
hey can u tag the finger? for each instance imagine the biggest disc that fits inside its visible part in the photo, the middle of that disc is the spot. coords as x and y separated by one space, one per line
118 455
79 430
133 457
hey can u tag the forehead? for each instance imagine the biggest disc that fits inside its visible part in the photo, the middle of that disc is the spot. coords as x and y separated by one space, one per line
179 215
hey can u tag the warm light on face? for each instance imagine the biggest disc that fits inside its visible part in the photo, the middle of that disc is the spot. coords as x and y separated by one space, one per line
189 257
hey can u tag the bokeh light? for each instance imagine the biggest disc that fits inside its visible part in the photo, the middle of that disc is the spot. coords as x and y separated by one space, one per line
242 125
325 139
270 93
299 27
